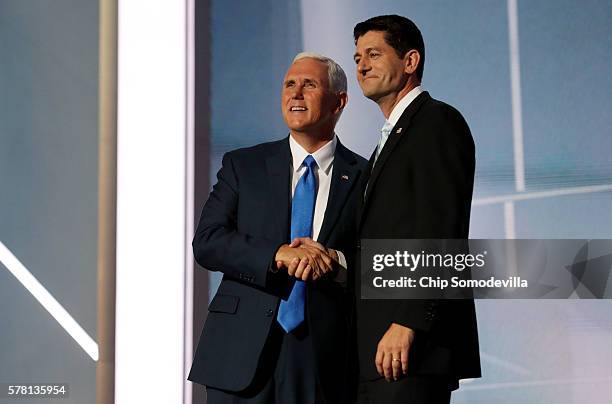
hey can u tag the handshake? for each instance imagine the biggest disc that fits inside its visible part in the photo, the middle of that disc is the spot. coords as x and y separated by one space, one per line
306 259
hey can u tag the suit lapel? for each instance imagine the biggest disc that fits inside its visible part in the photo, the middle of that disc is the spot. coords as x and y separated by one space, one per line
398 131
363 187
367 174
344 175
278 168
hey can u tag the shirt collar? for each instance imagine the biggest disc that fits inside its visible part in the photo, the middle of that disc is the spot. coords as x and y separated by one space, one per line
324 156
401 106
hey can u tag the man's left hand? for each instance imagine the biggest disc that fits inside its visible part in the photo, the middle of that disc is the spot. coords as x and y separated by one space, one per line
392 352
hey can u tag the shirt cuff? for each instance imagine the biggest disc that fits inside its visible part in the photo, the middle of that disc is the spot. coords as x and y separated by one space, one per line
341 259
342 273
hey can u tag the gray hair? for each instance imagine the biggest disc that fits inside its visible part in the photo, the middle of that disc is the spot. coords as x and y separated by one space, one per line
337 77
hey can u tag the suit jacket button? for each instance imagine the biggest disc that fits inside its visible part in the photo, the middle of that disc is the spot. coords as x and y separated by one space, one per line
269 312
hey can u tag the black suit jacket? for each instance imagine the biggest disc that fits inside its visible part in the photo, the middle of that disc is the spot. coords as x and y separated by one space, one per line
244 221
421 188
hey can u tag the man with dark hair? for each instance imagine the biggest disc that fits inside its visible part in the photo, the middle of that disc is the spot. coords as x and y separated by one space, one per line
400 33
418 186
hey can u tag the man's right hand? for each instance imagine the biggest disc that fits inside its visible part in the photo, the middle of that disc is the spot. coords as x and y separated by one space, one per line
305 262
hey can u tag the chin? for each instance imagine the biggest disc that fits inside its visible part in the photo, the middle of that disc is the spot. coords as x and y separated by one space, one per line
297 128
373 95
367 91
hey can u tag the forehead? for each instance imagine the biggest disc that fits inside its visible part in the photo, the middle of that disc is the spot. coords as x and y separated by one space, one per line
308 68
372 39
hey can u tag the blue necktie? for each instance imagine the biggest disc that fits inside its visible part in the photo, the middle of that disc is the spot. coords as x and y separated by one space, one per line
291 311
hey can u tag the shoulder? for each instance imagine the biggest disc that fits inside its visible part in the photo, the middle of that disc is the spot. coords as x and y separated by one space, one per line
441 112
255 152
438 124
351 156
441 117
360 161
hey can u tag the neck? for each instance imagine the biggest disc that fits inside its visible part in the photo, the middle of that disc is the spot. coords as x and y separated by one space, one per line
311 142
387 102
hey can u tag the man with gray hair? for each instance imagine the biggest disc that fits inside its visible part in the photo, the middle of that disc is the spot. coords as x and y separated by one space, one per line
279 224
335 74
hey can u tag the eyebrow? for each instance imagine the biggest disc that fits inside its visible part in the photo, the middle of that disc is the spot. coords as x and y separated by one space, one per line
306 81
366 50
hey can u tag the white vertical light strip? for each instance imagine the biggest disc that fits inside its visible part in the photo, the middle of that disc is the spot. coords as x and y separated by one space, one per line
151 210
189 197
509 220
515 83
511 257
48 302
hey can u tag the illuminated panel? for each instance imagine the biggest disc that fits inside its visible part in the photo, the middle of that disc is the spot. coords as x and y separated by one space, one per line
151 207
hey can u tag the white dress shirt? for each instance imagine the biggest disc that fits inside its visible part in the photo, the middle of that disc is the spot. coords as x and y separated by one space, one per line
323 174
395 115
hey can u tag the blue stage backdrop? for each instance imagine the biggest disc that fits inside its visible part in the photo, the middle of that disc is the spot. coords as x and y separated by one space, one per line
532 78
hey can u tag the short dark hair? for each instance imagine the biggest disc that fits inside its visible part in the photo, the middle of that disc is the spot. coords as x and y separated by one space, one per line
400 33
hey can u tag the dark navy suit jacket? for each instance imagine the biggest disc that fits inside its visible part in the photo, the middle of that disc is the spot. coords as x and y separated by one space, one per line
244 221
421 188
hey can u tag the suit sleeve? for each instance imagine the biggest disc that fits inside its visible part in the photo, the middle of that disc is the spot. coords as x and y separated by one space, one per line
219 246
444 177
443 165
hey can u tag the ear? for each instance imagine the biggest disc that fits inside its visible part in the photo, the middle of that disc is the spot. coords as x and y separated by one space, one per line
342 101
411 61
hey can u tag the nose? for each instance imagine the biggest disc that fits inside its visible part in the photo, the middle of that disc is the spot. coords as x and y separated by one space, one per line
297 93
363 66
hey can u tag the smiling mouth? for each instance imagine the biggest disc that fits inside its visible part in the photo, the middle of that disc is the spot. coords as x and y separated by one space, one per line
298 109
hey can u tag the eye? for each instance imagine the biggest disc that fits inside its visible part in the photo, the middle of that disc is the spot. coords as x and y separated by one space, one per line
310 85
374 55
357 60
289 84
